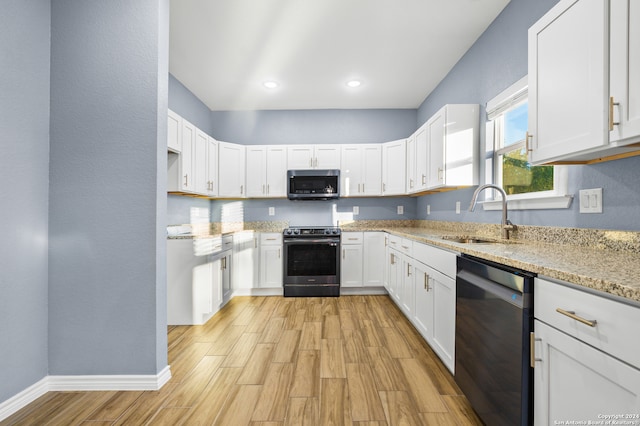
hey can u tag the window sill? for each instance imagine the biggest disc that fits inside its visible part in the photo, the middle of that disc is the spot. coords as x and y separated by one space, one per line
550 202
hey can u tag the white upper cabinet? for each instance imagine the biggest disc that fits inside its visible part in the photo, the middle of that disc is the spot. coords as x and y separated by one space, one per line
174 134
266 168
180 166
422 159
394 167
452 147
570 115
200 158
212 167
361 171
624 86
231 166
410 174
302 157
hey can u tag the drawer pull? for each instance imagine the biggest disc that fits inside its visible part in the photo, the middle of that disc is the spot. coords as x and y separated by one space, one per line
572 315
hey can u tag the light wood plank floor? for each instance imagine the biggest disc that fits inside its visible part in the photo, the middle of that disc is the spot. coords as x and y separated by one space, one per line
352 360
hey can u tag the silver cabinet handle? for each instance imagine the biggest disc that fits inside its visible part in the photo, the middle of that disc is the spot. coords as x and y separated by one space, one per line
344 251
532 350
268 189
186 180
611 122
241 189
393 261
263 188
424 179
572 315
408 269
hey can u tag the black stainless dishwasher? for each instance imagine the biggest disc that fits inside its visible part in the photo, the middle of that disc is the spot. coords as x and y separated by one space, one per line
494 319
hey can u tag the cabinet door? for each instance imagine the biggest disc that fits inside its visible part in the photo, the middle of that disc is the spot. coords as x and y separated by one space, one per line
351 171
174 134
300 157
393 167
245 265
224 293
435 129
374 257
575 381
327 157
231 166
257 171
199 165
407 287
423 312
410 175
422 158
624 79
444 317
271 266
394 269
186 156
371 170
568 81
276 171
212 167
202 293
217 270
351 265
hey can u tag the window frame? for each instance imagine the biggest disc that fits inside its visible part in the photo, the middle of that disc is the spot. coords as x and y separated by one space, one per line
557 198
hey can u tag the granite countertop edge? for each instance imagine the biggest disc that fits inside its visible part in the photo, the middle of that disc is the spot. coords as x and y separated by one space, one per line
612 272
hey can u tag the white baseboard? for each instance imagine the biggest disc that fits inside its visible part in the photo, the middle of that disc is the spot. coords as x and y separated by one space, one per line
23 398
83 383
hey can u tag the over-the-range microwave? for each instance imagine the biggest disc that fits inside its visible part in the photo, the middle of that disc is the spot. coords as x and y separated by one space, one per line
313 184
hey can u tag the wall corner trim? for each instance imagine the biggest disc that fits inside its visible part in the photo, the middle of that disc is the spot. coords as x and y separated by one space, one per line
83 383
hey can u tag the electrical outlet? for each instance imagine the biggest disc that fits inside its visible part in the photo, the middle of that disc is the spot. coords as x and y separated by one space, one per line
591 200
428 209
457 207
272 211
400 209
356 210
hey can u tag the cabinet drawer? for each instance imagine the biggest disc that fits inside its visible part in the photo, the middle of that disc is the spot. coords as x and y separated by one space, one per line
439 259
614 331
351 238
270 239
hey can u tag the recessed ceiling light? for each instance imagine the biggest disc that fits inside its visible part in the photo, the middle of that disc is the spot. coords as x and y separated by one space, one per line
270 84
354 83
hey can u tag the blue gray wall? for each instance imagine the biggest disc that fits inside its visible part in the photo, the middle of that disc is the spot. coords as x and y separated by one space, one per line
107 279
497 60
324 126
24 187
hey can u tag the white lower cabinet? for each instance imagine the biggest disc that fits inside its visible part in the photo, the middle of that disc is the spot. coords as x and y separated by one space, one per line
374 257
245 260
351 259
271 266
584 370
195 283
421 280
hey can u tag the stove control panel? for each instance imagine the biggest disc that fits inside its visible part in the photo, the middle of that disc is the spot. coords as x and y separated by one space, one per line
308 231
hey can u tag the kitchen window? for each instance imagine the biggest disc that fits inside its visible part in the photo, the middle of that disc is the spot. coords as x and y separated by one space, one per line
527 186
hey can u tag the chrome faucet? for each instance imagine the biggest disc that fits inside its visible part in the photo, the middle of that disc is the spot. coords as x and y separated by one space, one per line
506 223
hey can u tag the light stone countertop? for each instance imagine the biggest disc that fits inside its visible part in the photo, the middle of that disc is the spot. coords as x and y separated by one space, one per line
610 271
606 261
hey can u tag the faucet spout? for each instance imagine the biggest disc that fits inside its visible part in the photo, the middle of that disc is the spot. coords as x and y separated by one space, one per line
506 223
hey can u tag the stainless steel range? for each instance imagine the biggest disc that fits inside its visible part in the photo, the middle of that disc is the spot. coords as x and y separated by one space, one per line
311 261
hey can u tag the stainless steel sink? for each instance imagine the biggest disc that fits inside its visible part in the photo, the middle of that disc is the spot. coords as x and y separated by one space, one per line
469 240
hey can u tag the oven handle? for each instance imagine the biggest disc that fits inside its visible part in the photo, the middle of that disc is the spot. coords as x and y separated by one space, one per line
331 241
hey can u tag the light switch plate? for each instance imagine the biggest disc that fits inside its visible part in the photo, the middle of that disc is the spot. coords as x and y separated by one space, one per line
591 200
272 211
457 207
428 209
400 209
356 210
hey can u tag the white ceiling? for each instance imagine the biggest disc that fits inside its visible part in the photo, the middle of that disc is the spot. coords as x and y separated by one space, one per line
223 50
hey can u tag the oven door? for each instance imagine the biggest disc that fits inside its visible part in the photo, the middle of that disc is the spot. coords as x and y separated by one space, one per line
312 261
